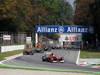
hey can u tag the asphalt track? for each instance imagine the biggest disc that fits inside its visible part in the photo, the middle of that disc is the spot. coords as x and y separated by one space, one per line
35 61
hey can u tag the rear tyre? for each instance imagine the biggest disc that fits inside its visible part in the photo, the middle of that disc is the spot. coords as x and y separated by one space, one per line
43 58
32 53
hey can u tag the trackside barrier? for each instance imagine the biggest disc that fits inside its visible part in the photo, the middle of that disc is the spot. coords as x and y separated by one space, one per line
11 48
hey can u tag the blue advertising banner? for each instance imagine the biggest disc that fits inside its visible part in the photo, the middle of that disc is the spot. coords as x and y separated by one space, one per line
62 29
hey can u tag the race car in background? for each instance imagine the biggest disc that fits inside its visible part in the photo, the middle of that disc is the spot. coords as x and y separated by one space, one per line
28 52
50 57
38 50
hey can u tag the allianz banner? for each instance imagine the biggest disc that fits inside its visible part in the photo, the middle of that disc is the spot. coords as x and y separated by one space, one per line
62 29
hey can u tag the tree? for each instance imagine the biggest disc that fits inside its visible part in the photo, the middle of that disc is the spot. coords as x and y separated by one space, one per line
6 15
83 14
22 16
52 12
87 13
15 15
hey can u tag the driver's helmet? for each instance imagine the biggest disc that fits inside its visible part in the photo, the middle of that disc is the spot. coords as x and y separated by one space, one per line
51 54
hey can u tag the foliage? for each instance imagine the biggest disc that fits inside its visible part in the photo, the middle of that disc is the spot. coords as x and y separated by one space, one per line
52 12
16 15
87 13
22 16
6 15
95 10
83 14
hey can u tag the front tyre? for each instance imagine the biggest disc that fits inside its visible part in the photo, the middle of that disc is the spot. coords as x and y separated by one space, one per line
61 60
43 58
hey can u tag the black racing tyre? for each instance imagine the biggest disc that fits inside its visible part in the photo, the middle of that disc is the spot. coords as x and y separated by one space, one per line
32 53
43 58
62 58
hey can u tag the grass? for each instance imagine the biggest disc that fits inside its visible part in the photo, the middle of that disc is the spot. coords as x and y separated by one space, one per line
46 69
9 53
89 54
12 44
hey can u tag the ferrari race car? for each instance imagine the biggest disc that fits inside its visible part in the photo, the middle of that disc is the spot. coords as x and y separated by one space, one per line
28 52
50 57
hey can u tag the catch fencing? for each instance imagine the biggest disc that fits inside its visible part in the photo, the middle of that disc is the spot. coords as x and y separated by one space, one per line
10 38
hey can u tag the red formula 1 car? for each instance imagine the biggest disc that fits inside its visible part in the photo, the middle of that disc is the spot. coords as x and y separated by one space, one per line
50 57
28 52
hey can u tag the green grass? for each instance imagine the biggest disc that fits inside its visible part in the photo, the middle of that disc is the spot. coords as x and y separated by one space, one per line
12 44
89 54
9 53
46 69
